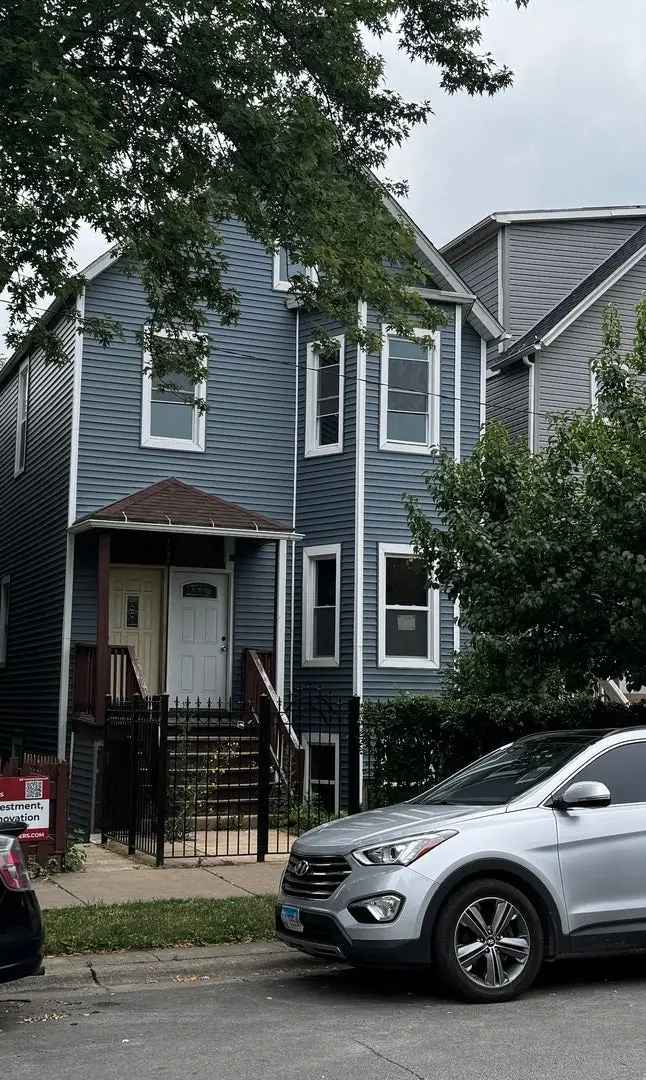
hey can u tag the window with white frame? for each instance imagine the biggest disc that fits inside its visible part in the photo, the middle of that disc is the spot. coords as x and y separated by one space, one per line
410 392
321 595
285 268
321 769
4 618
324 399
171 418
21 418
409 629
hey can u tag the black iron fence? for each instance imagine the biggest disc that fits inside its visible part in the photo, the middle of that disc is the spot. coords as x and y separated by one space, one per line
197 780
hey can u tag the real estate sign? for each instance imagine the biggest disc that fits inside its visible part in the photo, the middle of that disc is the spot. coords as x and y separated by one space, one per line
26 798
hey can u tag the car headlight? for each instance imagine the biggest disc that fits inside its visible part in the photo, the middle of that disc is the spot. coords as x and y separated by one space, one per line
401 852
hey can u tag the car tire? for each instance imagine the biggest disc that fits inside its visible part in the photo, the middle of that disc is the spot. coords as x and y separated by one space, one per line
488 941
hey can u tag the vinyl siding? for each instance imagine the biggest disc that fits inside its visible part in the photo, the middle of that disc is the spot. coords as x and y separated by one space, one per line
82 784
325 514
543 261
508 400
478 268
250 395
249 423
563 369
33 548
390 475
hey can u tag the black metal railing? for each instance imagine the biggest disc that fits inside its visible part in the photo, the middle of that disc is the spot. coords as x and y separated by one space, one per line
196 780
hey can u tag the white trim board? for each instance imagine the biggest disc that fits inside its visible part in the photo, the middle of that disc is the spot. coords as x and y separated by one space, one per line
591 298
192 530
359 507
457 386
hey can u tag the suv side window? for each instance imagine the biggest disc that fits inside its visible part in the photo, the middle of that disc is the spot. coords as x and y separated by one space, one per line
622 770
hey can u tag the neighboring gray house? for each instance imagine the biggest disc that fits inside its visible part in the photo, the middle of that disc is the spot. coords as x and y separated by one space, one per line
548 275
144 544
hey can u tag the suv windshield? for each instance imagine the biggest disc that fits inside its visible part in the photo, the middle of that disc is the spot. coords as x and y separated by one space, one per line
511 771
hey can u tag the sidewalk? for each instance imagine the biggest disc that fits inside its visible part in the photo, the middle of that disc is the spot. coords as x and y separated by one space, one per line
110 878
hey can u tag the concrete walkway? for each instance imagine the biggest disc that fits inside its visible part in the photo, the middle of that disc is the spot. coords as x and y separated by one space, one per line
109 878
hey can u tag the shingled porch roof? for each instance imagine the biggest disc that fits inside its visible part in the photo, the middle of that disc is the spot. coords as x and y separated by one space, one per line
173 506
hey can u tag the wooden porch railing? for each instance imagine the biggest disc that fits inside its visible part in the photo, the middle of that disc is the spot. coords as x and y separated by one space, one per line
285 744
126 676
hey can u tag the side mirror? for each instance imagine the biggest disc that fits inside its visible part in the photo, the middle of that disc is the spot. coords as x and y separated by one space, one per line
584 793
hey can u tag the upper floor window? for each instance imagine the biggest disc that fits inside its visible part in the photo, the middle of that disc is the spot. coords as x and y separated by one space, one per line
171 418
21 418
409 628
285 268
321 596
410 393
324 400
4 618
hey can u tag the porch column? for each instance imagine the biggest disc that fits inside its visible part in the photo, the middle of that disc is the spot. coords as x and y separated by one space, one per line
280 608
102 674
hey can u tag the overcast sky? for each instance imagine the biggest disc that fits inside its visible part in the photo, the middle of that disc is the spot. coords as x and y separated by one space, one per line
569 132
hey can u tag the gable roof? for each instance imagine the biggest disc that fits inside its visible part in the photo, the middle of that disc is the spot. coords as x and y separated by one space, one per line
488 226
173 506
586 293
477 314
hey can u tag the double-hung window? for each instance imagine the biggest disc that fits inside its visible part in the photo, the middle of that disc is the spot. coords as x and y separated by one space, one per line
21 418
410 392
324 399
409 629
171 418
4 618
321 596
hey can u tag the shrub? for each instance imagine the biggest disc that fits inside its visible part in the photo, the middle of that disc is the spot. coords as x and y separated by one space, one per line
411 742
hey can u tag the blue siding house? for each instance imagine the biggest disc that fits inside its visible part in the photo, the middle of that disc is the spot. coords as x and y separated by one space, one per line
147 544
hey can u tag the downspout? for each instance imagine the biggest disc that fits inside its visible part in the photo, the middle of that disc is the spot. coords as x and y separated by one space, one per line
529 363
66 642
293 567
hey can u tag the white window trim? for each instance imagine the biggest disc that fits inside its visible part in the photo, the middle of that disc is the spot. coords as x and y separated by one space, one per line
432 659
332 738
312 449
22 413
195 445
433 391
279 284
5 583
310 555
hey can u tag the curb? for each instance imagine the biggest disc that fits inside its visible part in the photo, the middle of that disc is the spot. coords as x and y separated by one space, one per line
104 973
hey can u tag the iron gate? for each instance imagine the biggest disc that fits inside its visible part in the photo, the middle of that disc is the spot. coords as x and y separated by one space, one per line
196 780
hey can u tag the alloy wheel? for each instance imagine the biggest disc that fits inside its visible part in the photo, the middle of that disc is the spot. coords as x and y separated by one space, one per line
492 942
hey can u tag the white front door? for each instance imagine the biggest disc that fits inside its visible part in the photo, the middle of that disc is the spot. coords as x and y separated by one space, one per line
198 635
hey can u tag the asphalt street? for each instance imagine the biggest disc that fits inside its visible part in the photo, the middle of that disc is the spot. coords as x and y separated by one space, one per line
308 1022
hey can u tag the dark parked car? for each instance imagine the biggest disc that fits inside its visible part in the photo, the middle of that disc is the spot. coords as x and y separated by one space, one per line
21 932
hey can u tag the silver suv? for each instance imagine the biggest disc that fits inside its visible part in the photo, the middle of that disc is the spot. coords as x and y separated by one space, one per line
534 852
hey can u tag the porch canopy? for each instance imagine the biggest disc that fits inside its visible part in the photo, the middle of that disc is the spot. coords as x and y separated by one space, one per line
173 507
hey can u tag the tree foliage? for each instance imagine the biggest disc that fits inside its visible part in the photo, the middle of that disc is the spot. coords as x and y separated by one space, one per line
154 122
547 552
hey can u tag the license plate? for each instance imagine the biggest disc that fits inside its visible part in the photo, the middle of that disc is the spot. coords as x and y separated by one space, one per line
291 918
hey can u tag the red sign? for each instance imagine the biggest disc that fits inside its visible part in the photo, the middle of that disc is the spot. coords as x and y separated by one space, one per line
26 798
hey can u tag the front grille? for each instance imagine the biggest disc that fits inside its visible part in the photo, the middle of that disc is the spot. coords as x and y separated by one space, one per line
318 877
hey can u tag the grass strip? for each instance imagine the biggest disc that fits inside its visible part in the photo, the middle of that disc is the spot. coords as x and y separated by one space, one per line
157 924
